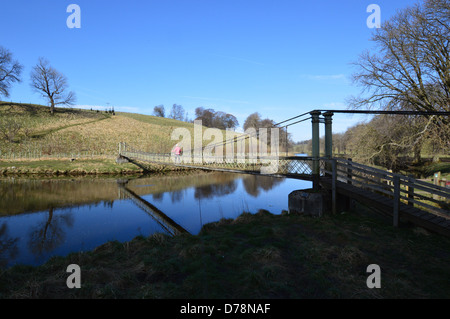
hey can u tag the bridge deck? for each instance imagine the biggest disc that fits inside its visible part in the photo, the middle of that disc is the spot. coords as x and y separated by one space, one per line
384 204
307 177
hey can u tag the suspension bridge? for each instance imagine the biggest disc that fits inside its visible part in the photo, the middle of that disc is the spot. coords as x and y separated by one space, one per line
402 198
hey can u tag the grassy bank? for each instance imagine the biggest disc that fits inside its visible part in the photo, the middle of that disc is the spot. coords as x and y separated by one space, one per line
254 256
67 167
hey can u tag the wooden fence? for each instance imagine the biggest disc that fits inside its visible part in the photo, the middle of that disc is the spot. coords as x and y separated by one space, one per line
401 189
37 155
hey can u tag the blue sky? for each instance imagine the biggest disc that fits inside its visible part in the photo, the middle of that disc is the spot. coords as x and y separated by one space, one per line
279 58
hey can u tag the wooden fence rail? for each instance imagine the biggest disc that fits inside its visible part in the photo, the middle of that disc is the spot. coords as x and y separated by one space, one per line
37 155
401 189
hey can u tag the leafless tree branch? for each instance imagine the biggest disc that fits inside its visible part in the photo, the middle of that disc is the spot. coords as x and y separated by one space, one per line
10 71
51 84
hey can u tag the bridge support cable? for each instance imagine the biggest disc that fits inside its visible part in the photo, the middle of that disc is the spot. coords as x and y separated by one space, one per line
256 133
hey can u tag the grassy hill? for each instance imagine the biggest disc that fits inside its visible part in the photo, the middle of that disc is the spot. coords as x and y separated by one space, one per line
28 130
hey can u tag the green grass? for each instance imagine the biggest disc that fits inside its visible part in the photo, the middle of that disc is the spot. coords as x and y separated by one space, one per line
67 167
41 134
254 256
149 119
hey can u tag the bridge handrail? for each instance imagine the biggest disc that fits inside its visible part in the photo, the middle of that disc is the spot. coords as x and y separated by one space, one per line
390 176
407 181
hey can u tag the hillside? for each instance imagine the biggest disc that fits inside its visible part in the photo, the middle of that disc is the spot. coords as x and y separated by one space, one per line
28 130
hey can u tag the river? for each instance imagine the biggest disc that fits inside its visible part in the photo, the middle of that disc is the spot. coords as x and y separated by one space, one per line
41 218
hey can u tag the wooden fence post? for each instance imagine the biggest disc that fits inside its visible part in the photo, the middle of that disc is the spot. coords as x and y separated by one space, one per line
349 172
396 199
333 185
437 180
410 190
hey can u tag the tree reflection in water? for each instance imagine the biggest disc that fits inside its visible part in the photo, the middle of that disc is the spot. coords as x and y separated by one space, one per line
254 184
49 233
8 246
209 191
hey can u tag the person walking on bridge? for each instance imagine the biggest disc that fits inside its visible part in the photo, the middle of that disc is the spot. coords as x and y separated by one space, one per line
178 152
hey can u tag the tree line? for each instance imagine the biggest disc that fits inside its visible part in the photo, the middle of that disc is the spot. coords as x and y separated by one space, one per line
209 117
222 120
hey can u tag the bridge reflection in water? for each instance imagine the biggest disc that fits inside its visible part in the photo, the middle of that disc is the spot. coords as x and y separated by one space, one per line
162 219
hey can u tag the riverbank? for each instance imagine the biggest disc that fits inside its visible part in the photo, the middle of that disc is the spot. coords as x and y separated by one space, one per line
76 167
253 256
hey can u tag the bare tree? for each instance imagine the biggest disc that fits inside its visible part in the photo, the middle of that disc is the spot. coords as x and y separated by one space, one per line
159 111
253 120
216 119
411 70
205 115
10 128
413 63
229 121
177 112
10 71
51 84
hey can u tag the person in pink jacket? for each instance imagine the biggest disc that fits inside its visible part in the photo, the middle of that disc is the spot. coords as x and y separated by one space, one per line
177 151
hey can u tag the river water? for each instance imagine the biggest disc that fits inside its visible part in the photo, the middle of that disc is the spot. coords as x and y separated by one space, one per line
41 218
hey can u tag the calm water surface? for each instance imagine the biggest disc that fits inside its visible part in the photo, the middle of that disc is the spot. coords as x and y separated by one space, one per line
43 218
